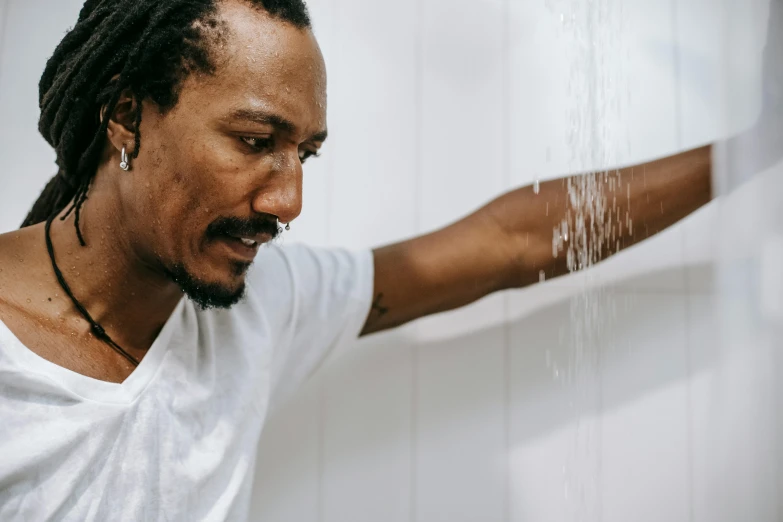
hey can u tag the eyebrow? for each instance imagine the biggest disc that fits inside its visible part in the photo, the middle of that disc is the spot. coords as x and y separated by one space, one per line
265 118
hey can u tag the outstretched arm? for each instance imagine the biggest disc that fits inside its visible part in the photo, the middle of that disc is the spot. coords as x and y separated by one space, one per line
509 242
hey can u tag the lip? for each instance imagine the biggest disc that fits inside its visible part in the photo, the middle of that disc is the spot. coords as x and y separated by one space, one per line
248 253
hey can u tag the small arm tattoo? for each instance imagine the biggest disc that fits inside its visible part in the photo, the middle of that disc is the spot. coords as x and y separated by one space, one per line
377 307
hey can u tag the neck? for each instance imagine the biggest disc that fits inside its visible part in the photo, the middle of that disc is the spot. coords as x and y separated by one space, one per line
128 296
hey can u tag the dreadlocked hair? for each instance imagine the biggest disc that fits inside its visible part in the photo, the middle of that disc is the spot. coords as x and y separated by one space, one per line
145 46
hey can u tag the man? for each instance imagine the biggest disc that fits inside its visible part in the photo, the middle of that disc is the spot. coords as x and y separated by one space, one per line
181 128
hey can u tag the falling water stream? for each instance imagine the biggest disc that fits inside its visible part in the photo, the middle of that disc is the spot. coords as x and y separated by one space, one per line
738 436
597 93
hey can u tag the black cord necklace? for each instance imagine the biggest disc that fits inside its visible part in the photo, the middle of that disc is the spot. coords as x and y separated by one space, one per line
97 329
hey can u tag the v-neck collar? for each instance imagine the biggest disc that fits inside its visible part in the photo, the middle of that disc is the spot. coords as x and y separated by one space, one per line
88 387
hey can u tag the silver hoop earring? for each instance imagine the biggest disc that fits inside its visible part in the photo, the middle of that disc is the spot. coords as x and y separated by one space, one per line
124 162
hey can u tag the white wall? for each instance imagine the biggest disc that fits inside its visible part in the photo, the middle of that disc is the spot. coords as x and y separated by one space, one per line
436 106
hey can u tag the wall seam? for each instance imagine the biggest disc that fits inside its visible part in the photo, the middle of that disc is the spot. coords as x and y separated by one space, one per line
506 166
4 9
678 132
417 172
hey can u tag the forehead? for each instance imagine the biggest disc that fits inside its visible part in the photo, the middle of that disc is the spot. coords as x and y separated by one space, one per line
263 63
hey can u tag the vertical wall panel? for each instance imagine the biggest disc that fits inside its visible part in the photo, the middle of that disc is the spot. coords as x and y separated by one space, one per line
287 479
372 95
603 430
742 415
644 469
460 445
366 461
366 434
3 19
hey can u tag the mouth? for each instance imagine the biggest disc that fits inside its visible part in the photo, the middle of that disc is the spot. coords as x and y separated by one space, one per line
245 247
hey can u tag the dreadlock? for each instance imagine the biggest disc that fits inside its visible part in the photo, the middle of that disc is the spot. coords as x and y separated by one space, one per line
145 46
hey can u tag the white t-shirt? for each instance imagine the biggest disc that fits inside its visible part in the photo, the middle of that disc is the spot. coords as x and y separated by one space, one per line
177 440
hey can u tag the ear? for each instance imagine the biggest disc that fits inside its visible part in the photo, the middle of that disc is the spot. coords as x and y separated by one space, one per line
121 129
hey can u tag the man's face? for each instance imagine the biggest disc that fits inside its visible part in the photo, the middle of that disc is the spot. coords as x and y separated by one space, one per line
225 163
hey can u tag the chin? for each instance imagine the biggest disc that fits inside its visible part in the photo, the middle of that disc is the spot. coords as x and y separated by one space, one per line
208 294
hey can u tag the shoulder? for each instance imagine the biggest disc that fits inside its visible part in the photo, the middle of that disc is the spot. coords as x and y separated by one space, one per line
24 268
29 301
287 280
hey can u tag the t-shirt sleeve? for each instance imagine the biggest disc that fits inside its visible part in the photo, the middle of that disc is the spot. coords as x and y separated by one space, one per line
321 298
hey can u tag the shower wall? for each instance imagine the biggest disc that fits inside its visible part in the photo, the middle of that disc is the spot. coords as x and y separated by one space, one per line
436 106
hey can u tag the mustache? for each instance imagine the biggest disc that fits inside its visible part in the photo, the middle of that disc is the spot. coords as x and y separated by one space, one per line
238 227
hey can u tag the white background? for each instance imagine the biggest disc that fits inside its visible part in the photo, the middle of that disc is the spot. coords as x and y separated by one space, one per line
435 107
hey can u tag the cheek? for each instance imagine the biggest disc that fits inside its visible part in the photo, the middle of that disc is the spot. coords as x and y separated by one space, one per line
186 183
167 208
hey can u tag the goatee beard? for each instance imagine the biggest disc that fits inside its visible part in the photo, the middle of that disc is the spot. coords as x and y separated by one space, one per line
209 295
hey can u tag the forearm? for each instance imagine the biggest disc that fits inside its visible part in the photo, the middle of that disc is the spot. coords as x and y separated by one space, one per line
639 202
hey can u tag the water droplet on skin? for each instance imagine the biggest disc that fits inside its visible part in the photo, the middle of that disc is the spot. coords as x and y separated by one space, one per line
29 300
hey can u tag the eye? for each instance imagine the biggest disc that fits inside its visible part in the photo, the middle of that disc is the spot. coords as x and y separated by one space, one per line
257 144
305 154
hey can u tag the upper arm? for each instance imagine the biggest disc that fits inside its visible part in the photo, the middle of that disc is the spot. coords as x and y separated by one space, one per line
437 272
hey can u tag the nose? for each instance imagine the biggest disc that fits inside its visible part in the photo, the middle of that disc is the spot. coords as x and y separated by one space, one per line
281 193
